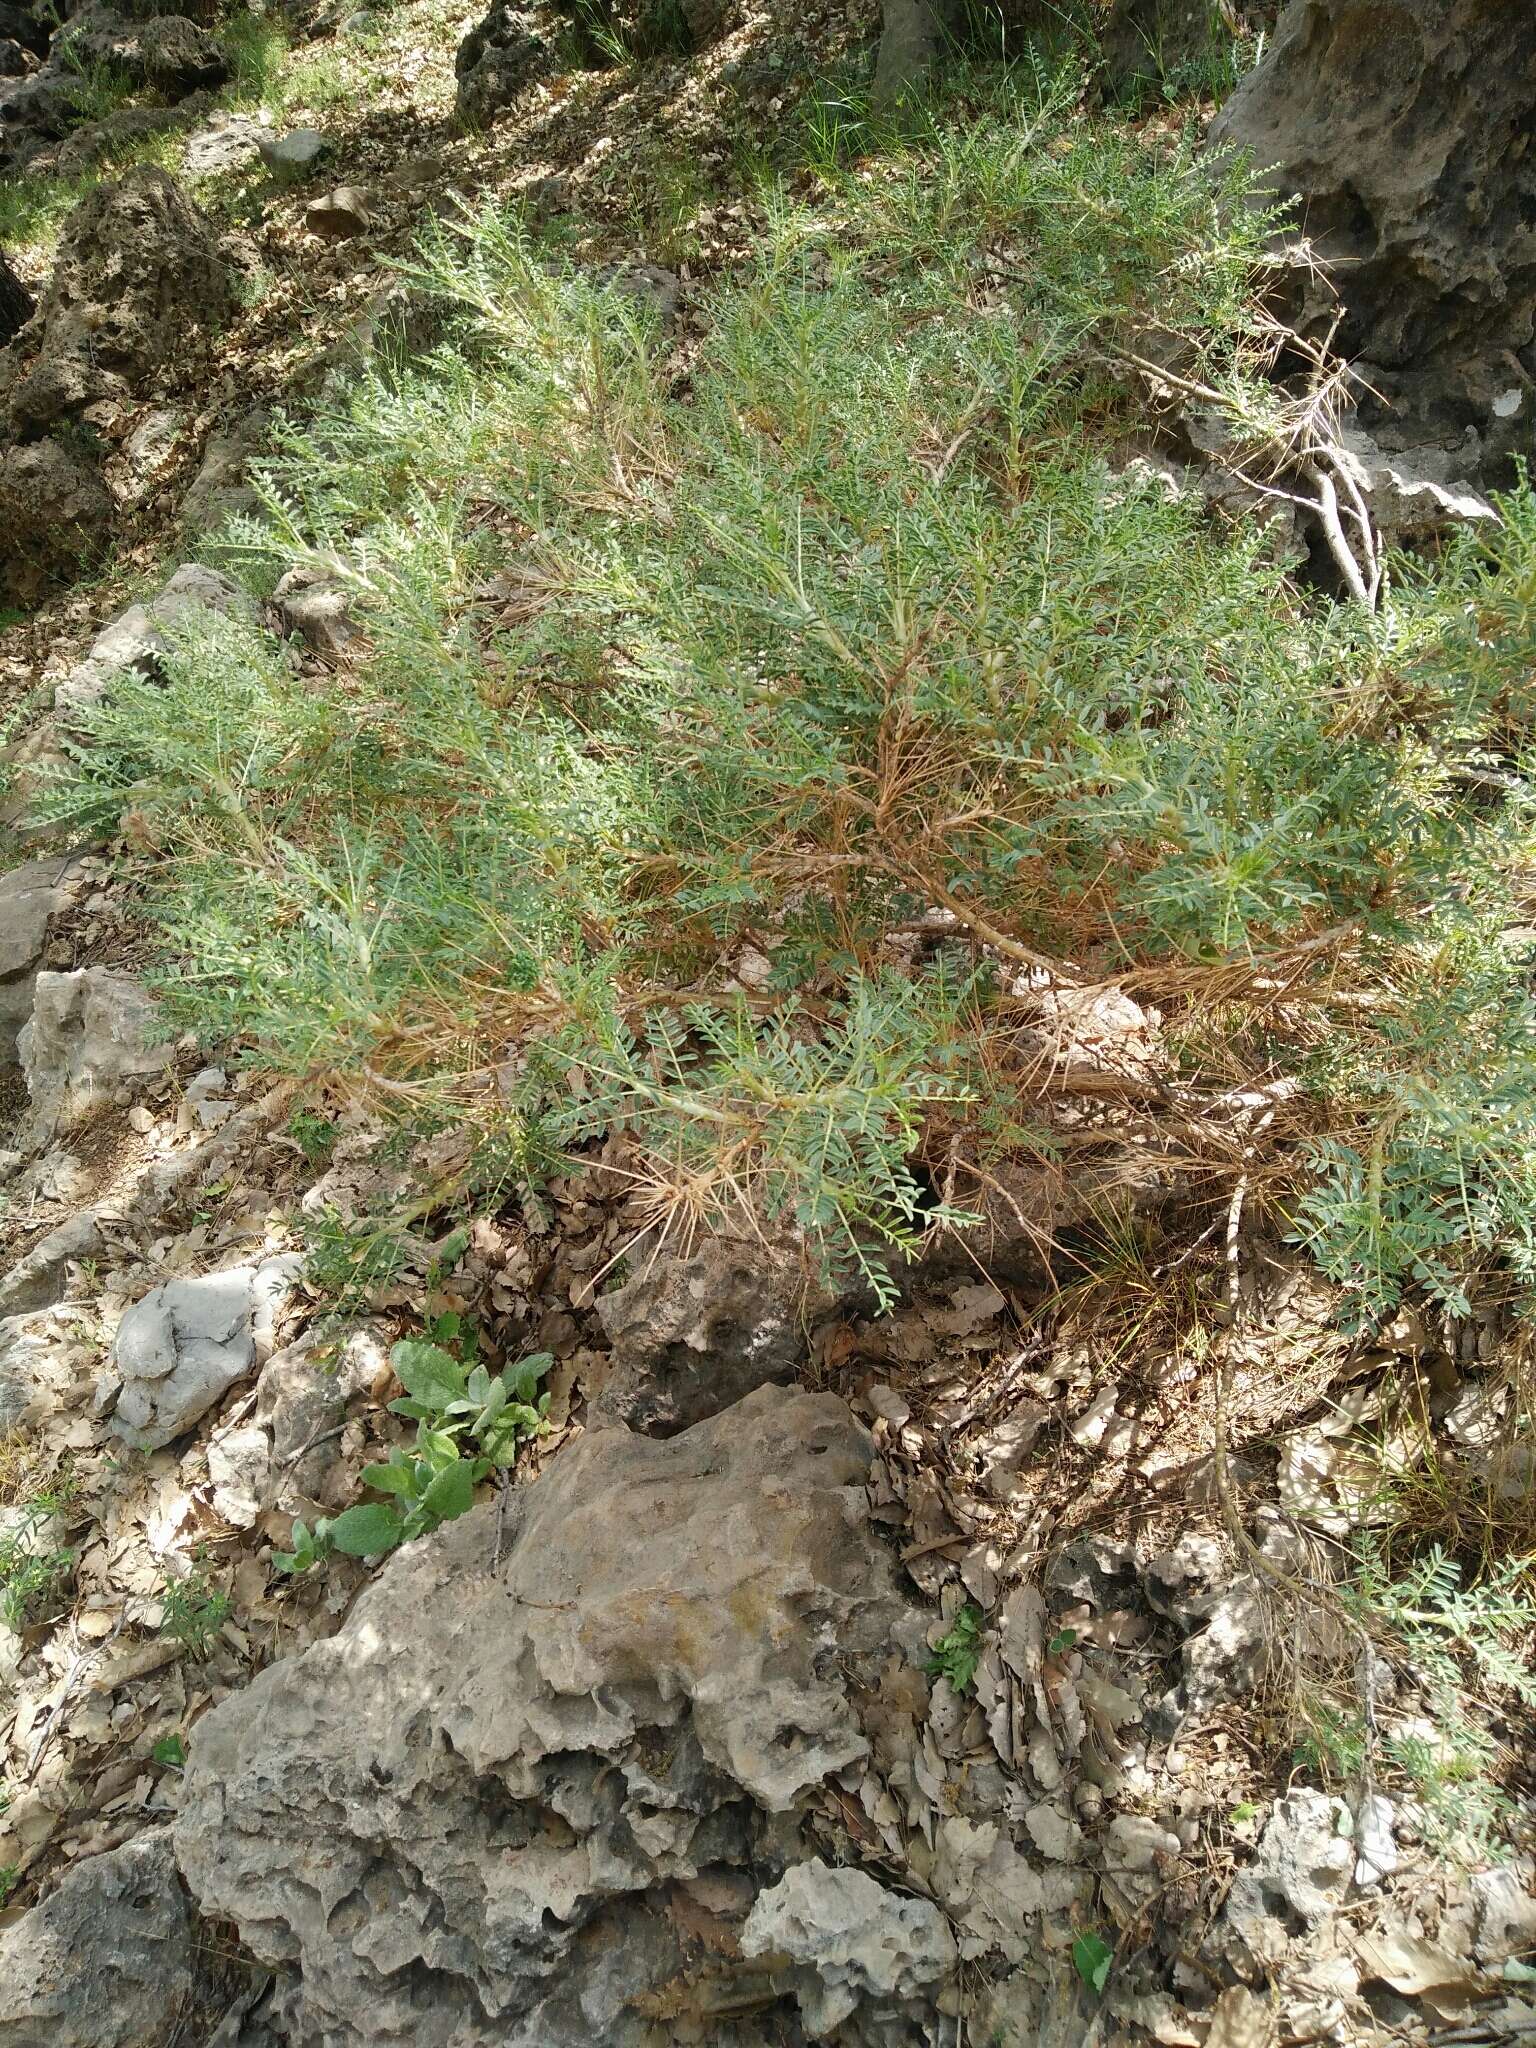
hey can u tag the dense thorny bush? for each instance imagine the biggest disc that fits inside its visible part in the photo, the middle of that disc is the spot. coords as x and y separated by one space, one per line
732 760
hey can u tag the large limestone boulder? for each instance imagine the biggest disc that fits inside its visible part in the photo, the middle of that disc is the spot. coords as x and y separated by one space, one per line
29 896
531 1792
139 284
496 63
106 1960
89 1040
56 514
1402 126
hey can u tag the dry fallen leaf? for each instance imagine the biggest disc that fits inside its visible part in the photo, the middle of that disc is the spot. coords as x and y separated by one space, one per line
1418 1969
1241 2019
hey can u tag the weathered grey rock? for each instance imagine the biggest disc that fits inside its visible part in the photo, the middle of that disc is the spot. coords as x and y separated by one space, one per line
224 142
106 1960
29 897
139 639
300 1401
294 155
1175 1580
138 286
1375 1840
29 762
220 490
692 1335
460 1820
151 445
337 216
239 1463
1402 125
56 514
1417 493
1224 1660
36 109
647 284
40 1367
88 1040
1504 1904
840 1940
39 1279
316 607
182 1347
100 144
1299 1874
302 1398
1134 1843
497 62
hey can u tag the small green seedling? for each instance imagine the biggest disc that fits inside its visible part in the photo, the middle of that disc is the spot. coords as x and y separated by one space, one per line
192 1612
35 1576
315 1136
957 1654
169 1752
452 1403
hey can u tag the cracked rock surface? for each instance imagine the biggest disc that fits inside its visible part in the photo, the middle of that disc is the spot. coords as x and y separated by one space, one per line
530 1802
106 1960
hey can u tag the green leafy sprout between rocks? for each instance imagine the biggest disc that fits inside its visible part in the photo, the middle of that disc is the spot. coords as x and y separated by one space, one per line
470 1423
958 1650
36 1572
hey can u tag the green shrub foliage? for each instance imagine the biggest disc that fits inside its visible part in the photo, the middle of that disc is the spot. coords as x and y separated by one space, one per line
731 754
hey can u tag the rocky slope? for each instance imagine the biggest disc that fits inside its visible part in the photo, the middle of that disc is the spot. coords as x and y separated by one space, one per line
816 1676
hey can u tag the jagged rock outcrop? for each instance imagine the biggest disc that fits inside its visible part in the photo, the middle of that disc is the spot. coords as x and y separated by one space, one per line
496 62
1404 128
89 1038
842 1941
163 56
29 896
56 514
165 53
531 1792
693 1334
106 1960
139 284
